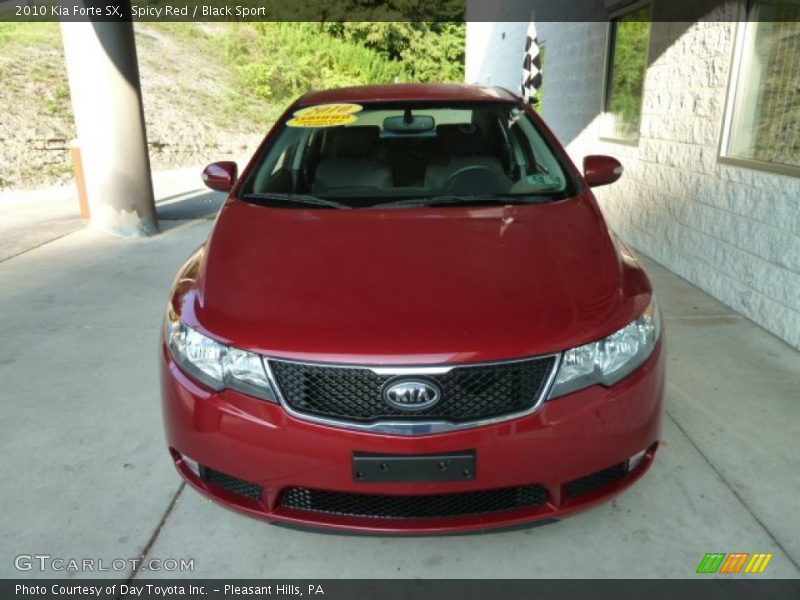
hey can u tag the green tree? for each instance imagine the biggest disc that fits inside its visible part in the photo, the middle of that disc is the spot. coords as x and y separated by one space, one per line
281 60
631 49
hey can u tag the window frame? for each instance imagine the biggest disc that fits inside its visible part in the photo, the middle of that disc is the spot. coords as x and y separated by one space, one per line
621 9
574 185
743 36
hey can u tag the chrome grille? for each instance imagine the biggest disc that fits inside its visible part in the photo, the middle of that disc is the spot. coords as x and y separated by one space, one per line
469 392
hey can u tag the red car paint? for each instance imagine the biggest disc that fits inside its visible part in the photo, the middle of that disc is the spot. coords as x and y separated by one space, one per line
417 286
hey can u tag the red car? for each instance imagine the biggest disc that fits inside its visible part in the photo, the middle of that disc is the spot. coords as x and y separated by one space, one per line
410 317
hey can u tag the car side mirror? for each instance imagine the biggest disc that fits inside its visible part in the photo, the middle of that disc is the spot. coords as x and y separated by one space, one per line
221 176
601 170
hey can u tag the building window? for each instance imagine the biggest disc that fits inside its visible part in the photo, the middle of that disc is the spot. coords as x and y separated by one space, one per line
764 118
629 49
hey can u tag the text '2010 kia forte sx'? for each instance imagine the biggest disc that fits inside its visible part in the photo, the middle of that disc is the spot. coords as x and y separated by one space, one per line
410 317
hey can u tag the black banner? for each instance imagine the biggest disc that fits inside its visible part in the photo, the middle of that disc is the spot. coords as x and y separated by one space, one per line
384 10
733 588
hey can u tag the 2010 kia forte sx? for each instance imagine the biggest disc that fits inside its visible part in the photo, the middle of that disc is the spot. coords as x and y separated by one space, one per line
410 317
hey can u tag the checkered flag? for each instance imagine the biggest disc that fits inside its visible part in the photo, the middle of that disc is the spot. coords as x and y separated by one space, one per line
531 66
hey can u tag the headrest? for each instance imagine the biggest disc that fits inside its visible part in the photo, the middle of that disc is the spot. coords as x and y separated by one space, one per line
354 142
464 139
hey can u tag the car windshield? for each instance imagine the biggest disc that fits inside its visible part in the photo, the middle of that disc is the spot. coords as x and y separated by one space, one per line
358 156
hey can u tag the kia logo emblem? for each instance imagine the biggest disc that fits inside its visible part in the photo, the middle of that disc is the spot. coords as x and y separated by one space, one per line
411 394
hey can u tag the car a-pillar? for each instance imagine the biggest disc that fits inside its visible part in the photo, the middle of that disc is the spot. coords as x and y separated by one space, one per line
103 74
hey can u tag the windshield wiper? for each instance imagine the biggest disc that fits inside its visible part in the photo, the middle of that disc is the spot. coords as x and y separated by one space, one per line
298 198
451 199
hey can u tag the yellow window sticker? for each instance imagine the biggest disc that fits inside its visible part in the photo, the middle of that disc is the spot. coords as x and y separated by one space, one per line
325 115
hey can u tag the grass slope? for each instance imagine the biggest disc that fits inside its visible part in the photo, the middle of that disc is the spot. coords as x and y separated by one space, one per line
209 90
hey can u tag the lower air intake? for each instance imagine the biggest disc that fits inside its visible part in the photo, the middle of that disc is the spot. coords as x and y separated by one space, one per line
596 480
232 484
413 507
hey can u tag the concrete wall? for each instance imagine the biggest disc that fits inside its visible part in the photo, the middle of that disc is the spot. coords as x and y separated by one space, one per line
732 231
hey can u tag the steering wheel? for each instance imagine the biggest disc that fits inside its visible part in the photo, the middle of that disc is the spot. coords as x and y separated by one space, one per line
475 179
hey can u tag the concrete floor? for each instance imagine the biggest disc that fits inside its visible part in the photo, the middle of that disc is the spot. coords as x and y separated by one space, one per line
34 217
87 474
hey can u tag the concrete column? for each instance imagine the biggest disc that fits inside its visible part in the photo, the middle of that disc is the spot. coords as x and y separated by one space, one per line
107 102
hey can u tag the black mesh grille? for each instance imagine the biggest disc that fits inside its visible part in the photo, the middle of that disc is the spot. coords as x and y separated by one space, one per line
468 393
232 484
413 507
595 480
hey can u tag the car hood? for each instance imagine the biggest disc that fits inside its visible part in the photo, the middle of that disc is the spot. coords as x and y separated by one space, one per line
414 286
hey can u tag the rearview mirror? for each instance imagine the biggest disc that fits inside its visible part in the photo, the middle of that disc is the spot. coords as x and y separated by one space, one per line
408 124
221 176
601 170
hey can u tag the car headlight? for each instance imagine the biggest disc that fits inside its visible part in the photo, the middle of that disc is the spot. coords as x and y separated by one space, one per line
216 365
608 360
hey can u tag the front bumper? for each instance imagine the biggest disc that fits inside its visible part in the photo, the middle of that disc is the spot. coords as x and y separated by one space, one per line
567 450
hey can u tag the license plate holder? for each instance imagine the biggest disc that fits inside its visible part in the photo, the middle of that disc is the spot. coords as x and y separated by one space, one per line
413 468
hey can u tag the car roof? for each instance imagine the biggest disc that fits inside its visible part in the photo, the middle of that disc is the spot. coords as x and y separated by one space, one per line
449 92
